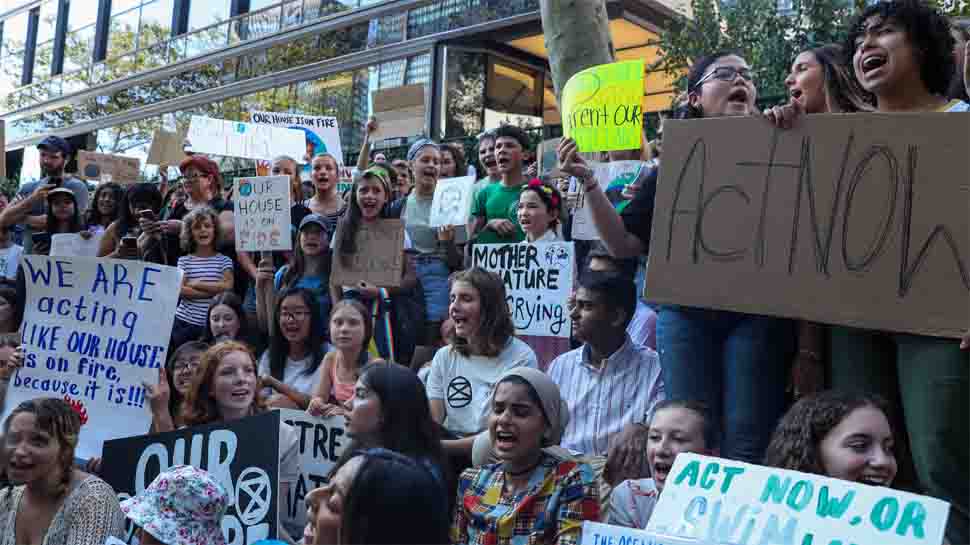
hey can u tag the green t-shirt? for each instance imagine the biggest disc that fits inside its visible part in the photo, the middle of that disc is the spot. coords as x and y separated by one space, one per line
496 201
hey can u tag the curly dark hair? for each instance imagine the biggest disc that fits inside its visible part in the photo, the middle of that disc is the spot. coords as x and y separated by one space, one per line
59 420
457 155
94 216
795 442
927 29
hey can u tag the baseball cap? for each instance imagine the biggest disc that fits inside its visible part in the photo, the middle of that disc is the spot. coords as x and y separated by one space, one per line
60 191
315 219
55 143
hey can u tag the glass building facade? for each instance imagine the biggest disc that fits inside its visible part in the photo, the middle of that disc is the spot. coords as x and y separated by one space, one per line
110 72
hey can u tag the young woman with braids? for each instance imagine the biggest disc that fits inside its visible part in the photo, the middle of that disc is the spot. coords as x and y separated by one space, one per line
48 501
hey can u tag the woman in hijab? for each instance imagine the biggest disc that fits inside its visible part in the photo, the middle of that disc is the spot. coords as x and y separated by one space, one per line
533 494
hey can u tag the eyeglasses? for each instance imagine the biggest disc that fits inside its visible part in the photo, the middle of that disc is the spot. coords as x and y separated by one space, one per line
297 316
186 365
726 73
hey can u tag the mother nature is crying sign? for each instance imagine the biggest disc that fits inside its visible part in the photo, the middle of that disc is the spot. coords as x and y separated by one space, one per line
94 331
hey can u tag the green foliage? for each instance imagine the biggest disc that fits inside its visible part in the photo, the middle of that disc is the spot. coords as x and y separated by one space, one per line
953 8
769 39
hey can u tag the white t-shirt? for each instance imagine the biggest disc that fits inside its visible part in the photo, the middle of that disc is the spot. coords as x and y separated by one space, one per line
9 260
465 383
293 375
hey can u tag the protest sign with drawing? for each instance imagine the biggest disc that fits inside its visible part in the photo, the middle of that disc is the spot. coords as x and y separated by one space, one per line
246 140
400 111
855 220
74 245
612 177
379 259
249 470
262 214
322 442
603 107
452 202
322 133
724 501
167 148
108 168
538 281
93 331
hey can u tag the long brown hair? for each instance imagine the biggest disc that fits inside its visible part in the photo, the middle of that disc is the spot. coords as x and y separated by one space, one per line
200 406
495 322
843 94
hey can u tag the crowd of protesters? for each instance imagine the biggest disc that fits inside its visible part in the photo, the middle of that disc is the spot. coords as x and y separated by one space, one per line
464 432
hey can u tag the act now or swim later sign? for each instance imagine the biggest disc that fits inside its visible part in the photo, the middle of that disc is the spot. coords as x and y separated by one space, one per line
859 220
723 501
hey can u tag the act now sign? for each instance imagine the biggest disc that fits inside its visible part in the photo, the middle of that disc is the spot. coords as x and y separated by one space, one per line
723 501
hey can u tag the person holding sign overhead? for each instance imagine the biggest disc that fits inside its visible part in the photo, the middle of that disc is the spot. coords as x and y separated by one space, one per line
735 363
49 501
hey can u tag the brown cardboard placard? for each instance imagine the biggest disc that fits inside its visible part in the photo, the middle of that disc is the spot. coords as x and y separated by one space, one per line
167 148
121 169
3 151
858 220
379 259
400 111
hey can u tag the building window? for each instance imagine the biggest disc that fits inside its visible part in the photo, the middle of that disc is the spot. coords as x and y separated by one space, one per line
204 13
79 43
513 95
465 92
137 24
12 51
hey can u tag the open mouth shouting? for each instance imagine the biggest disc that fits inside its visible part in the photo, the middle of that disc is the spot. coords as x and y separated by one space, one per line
242 396
872 63
739 96
875 479
659 471
505 440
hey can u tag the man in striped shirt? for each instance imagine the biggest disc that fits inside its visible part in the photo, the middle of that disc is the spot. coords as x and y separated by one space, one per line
611 384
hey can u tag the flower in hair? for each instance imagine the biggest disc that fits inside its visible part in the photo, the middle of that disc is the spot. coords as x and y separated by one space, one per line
538 184
78 407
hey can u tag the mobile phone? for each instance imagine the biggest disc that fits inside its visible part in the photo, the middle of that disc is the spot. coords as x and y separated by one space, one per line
129 243
147 214
57 181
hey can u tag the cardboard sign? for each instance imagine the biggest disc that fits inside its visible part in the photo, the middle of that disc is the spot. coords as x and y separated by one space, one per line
733 502
603 107
167 148
400 111
538 281
243 456
94 330
859 220
246 140
379 259
612 177
452 201
595 533
322 443
321 134
72 245
262 214
108 168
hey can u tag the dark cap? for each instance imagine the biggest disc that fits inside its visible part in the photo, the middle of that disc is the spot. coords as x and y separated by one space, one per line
55 143
315 219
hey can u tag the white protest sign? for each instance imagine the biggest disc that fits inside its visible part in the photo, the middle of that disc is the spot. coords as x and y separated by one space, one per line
612 177
321 133
733 502
322 442
246 140
538 281
94 330
452 201
72 244
595 533
262 214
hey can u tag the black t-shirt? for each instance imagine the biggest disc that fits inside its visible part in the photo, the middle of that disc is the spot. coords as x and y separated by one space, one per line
638 215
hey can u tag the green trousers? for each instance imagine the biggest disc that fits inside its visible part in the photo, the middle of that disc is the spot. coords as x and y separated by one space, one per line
932 378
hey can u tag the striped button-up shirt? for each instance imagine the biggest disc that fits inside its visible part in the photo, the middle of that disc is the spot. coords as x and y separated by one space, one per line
603 399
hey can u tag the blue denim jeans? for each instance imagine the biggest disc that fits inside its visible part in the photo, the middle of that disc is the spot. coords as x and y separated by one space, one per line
433 273
737 364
